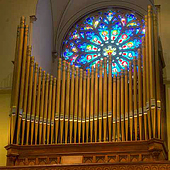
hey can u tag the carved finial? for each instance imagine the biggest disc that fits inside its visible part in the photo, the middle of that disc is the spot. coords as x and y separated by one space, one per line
22 22
59 63
43 75
146 20
32 61
55 81
40 72
26 30
149 10
33 18
29 51
47 77
64 65
77 70
36 67
51 79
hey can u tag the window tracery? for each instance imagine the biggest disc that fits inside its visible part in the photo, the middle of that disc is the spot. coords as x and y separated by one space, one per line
115 32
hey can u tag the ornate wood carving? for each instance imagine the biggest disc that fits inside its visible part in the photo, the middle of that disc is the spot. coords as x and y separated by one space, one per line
111 152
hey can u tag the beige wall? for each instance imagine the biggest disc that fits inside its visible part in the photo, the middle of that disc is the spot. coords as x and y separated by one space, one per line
10 13
5 97
164 32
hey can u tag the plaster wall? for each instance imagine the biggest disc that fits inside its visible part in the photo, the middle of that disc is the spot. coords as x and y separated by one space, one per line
42 37
10 13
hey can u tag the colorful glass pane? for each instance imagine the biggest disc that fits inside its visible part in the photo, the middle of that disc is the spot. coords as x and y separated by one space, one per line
115 32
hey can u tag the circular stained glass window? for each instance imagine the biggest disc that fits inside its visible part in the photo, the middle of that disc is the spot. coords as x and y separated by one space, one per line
115 32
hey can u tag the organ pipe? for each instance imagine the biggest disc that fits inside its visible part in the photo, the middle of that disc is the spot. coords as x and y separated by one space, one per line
110 99
72 103
67 103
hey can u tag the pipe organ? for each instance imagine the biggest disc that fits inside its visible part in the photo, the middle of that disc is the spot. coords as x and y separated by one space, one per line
87 106
93 105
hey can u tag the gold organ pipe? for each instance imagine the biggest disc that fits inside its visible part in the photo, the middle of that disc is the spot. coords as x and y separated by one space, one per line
37 115
110 99
45 108
72 103
87 105
122 105
62 102
21 95
76 104
29 99
100 100
151 67
135 99
114 108
58 100
140 95
126 104
158 85
49 109
41 107
84 107
91 103
147 77
67 102
130 101
80 105
53 109
118 108
26 92
96 103
13 86
15 63
34 102
144 88
105 101
17 80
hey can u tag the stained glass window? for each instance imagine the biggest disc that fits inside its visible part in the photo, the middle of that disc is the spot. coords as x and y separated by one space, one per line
115 32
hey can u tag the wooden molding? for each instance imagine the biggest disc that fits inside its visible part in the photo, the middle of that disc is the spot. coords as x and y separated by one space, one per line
111 152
